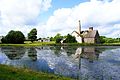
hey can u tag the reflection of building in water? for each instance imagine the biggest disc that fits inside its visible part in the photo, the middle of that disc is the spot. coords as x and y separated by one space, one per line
14 53
32 53
82 53
89 53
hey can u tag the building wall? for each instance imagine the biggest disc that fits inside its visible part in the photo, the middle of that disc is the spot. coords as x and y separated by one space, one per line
78 38
89 40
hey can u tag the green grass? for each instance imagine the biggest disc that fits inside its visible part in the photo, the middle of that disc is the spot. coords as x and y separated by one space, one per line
28 43
11 73
52 43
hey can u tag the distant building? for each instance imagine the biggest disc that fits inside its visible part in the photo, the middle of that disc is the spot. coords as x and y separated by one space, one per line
44 40
88 36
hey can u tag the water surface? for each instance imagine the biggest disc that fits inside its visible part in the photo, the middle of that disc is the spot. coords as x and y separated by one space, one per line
91 63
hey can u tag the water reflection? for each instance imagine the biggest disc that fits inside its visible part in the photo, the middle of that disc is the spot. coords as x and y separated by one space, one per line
32 53
90 53
90 63
13 53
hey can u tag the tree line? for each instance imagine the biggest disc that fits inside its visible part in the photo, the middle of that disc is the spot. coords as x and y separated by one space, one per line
17 37
65 39
104 39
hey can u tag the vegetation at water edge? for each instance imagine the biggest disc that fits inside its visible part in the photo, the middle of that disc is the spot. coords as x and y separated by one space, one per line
10 73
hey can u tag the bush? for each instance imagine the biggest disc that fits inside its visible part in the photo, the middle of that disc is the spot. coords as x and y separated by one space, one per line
70 39
14 37
58 40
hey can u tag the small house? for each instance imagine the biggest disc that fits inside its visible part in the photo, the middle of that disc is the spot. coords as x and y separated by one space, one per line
44 40
91 36
87 36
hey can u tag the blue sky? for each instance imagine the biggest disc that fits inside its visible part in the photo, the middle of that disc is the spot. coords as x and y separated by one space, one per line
60 16
57 4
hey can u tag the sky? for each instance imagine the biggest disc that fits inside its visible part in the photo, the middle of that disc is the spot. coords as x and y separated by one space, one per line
50 17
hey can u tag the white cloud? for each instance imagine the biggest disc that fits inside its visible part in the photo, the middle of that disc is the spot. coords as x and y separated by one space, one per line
20 13
101 14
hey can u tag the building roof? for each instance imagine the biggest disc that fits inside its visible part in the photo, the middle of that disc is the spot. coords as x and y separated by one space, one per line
90 34
77 33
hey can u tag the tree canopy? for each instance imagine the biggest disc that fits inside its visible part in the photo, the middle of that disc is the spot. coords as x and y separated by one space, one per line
70 39
32 35
104 39
15 37
66 39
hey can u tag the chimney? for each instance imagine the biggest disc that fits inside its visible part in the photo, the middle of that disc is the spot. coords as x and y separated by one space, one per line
79 27
90 28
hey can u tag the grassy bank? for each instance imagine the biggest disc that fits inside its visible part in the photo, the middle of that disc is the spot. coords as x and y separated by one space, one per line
28 43
10 73
84 44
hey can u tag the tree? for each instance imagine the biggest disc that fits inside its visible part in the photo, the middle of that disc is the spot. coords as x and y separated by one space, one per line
15 37
32 36
58 38
58 35
70 39
51 39
102 39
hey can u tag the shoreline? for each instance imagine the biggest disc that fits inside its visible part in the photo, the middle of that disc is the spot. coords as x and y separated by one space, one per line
12 73
58 44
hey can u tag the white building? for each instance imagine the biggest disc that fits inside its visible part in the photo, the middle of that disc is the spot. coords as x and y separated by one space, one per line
44 40
87 36
77 34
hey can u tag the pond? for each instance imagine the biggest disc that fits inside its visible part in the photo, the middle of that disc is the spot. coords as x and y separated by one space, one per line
84 63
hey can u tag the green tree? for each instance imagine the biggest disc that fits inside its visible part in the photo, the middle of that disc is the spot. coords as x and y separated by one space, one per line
15 37
70 39
32 36
58 38
51 39
102 39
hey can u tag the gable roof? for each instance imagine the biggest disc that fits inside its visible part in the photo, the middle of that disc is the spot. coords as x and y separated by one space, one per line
77 33
90 34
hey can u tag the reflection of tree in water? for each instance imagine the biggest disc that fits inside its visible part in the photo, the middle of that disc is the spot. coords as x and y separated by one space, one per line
56 49
13 53
67 49
70 49
32 53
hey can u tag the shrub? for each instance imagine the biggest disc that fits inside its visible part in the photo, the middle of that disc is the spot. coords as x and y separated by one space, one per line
14 37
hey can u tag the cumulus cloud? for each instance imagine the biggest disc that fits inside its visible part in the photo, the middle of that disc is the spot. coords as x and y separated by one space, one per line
16 14
103 15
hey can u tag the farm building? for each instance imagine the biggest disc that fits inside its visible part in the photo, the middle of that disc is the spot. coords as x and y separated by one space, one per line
87 36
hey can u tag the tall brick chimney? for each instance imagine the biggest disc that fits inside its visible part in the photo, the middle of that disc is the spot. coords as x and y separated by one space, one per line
79 27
